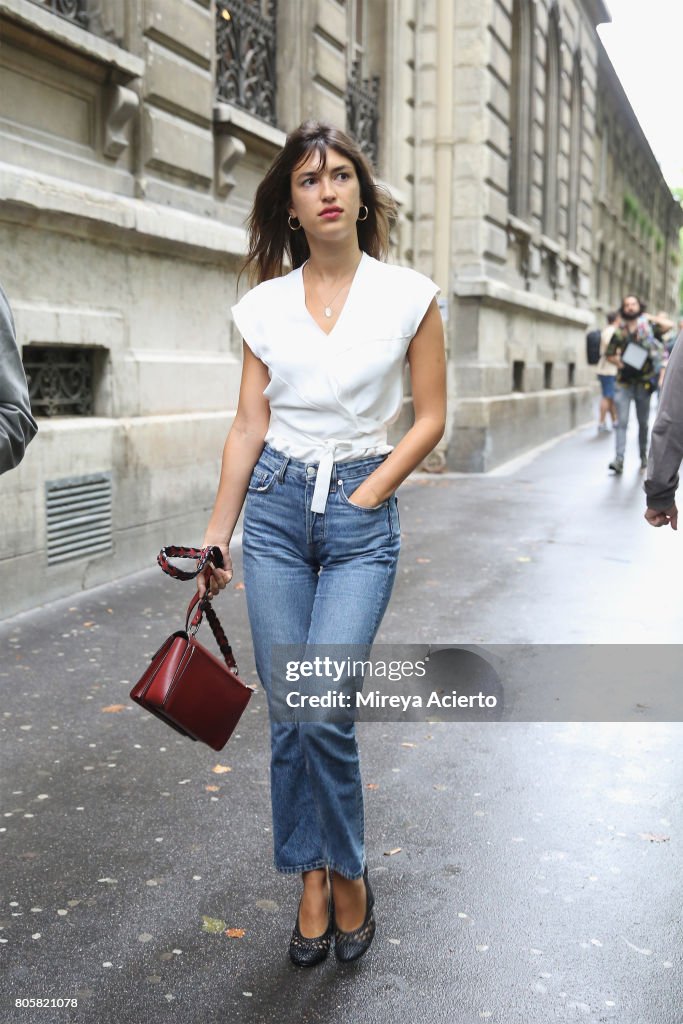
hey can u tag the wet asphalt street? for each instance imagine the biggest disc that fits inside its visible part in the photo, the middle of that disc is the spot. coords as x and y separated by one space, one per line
538 872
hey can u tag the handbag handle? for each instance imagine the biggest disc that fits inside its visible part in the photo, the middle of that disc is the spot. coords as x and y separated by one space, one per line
206 556
210 554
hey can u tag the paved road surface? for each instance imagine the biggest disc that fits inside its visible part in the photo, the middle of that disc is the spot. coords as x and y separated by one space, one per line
539 872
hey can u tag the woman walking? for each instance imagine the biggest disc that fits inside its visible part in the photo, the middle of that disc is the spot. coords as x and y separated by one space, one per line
325 347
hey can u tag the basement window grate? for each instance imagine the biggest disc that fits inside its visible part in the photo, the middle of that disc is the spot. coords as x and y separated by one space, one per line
60 379
79 517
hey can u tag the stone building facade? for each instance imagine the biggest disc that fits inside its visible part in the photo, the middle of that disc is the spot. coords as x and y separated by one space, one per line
133 134
636 225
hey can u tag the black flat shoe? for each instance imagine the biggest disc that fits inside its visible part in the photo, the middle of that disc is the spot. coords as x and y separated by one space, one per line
307 952
351 945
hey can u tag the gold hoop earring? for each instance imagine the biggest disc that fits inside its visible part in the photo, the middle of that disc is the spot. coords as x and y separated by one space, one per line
291 226
367 212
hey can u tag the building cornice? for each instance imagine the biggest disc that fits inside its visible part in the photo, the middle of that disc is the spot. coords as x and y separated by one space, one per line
59 205
598 11
58 32
491 292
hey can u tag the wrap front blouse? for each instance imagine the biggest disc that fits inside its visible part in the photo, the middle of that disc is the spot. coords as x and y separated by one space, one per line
333 396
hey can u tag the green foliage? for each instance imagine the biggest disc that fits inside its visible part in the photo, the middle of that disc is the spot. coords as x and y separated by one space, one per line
636 218
631 207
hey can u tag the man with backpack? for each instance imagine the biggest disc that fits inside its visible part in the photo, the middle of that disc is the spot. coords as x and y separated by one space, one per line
635 352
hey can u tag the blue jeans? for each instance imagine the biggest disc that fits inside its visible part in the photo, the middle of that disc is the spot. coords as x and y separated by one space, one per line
315 578
622 399
607 384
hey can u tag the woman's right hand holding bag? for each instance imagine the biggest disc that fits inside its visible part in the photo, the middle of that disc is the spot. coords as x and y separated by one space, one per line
217 578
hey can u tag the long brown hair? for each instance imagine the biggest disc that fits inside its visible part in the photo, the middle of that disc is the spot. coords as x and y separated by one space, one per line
270 237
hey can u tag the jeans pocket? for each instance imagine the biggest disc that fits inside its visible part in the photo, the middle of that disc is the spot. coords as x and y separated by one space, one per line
261 480
351 504
398 518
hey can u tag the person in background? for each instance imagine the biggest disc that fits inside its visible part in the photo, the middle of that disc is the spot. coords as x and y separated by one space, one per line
17 425
662 327
607 375
633 383
666 450
669 343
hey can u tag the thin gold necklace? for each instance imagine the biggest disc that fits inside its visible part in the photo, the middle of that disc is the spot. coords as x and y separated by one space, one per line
327 307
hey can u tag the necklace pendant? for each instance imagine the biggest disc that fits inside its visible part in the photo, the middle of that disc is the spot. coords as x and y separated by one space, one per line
328 312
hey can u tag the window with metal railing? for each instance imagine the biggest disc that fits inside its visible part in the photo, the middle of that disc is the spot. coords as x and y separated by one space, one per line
73 10
362 111
362 93
245 55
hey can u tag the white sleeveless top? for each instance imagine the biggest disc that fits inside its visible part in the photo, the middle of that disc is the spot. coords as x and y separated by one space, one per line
332 397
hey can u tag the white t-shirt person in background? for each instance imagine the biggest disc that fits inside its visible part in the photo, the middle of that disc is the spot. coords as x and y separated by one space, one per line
325 347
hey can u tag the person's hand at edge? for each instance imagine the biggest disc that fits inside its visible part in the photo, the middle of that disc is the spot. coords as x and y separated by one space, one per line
660 517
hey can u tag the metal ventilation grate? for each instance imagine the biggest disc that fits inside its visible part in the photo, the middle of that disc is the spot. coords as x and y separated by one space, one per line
78 514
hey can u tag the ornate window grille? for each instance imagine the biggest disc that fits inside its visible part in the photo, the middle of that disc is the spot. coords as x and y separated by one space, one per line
72 10
245 52
60 379
362 111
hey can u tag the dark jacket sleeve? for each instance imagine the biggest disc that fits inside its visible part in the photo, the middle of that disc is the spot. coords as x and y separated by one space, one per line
17 425
666 450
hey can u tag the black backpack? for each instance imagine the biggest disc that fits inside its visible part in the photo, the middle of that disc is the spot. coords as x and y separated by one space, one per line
593 347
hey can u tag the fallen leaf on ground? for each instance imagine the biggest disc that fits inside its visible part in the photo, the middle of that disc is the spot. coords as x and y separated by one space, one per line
212 924
218 769
212 789
115 707
88 623
234 933
267 905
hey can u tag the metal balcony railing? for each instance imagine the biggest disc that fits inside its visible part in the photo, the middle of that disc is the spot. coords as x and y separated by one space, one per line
245 52
362 111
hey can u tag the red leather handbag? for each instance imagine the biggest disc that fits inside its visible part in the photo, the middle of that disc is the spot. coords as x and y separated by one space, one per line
194 692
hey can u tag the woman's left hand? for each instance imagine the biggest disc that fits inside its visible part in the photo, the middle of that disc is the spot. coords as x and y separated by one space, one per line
365 497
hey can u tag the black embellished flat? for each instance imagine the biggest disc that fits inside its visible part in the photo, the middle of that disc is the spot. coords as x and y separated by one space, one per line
351 945
307 952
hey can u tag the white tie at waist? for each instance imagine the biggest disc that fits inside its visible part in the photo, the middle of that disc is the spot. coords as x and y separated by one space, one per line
322 480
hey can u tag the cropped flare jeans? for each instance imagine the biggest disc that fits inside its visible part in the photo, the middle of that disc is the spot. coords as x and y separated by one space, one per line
315 578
